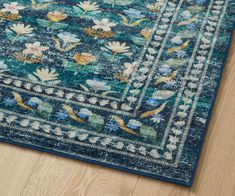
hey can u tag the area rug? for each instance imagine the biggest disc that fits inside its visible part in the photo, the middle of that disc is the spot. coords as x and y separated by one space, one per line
128 84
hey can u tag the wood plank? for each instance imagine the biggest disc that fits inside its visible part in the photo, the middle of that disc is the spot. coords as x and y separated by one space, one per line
216 171
59 176
97 180
50 175
16 166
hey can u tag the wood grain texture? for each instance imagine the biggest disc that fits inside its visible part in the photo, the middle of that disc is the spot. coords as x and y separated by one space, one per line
96 180
30 173
16 167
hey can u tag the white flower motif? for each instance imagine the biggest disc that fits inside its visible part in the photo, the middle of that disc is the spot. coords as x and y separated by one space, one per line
68 37
155 6
60 93
171 147
103 24
69 95
142 150
168 155
88 6
58 131
11 119
86 112
106 141
156 119
83 137
186 14
80 98
119 145
21 29
35 49
131 99
37 88
49 90
2 64
176 131
98 85
179 123
173 139
131 148
93 100
144 70
103 102
13 8
93 140
117 47
134 123
3 67
24 122
114 104
44 74
154 153
71 134
46 128
1 116
125 107
176 40
35 125
129 68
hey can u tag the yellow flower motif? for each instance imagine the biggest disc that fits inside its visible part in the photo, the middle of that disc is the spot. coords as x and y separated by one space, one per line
84 58
56 16
45 74
146 33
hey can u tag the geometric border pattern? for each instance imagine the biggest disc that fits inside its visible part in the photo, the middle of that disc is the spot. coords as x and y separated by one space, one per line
178 125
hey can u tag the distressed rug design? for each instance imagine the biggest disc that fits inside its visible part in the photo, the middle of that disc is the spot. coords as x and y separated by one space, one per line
128 84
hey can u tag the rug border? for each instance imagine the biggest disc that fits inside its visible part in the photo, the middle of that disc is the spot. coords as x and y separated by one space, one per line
121 168
205 130
85 160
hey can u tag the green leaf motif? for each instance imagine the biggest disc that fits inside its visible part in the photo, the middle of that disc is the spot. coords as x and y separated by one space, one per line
82 14
78 11
53 25
148 133
119 2
58 25
43 23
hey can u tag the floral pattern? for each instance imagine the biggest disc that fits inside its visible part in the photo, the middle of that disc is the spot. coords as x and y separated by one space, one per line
124 79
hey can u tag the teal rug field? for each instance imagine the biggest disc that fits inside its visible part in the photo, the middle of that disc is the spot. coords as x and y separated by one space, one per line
128 84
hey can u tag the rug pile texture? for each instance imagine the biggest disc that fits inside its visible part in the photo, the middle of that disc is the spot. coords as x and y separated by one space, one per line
128 84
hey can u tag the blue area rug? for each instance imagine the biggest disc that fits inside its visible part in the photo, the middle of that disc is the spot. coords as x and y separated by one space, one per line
128 84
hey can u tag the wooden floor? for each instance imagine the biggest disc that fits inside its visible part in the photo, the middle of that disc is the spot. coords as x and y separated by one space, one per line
32 173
